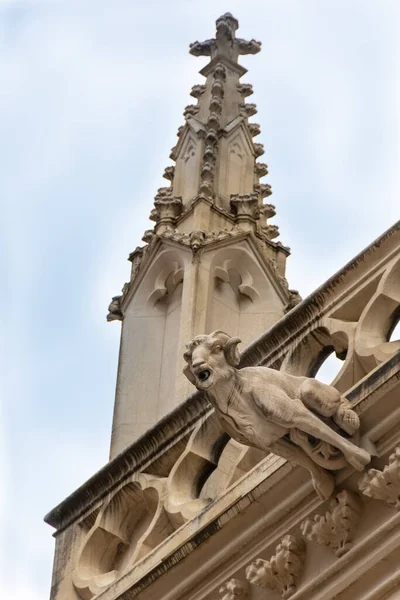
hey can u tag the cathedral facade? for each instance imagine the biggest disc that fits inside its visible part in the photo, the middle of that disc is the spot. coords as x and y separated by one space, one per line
186 510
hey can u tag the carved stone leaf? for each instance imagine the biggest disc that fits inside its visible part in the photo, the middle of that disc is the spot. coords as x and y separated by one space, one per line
282 571
259 573
234 589
336 528
384 485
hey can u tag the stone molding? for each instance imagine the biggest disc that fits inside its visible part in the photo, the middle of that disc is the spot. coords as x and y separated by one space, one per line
384 485
336 528
282 572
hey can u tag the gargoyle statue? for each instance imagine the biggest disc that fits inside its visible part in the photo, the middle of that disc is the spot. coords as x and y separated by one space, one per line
274 411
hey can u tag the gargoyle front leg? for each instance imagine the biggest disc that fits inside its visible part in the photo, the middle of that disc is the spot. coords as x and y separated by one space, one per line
306 421
324 482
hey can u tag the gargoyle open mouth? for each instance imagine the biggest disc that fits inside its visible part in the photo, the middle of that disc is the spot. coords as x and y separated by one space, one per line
204 375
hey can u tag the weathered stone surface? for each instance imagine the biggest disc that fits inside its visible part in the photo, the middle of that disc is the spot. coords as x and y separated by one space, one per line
254 417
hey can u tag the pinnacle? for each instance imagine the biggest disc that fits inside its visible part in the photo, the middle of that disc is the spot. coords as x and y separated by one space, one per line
216 155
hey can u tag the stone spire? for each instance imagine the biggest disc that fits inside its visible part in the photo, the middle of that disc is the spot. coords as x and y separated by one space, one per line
211 261
216 157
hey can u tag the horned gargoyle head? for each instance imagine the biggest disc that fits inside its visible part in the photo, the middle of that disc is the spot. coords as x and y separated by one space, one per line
211 358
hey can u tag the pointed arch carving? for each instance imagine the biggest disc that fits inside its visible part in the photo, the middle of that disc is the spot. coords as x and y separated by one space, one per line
380 315
151 329
187 169
240 164
129 524
358 332
241 288
169 277
229 273
211 462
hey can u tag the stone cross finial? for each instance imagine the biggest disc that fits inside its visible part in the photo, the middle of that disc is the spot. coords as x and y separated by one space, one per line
225 44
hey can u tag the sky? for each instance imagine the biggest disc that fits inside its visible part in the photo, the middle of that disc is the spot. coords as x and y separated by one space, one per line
91 96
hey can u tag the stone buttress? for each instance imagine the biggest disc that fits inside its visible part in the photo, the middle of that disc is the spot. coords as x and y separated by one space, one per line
211 261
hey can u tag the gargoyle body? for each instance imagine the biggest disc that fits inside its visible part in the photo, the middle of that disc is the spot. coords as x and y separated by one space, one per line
267 409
